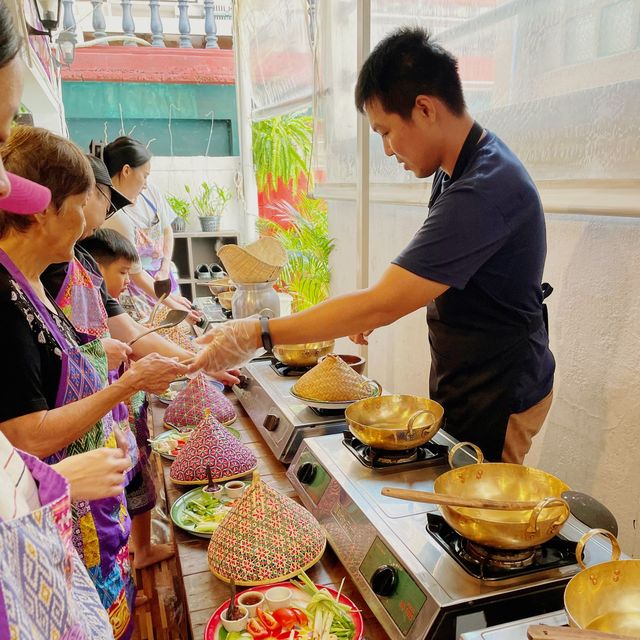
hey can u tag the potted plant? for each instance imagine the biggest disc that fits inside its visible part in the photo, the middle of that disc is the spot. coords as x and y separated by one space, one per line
209 202
182 210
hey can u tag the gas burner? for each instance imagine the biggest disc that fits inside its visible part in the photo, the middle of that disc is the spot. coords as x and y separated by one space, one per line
288 371
424 455
323 413
495 558
486 563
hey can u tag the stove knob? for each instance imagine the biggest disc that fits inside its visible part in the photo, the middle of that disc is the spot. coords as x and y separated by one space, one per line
244 382
384 580
307 472
271 422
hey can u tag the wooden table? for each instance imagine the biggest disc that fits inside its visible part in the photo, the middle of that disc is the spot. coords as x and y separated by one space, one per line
203 593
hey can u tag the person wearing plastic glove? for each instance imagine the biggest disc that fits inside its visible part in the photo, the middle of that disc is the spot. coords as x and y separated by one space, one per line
476 263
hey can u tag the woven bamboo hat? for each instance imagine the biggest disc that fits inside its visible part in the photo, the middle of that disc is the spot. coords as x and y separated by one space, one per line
194 401
260 261
211 444
332 380
266 537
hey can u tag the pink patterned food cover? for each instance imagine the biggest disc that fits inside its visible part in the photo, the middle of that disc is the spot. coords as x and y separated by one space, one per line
190 405
266 537
211 444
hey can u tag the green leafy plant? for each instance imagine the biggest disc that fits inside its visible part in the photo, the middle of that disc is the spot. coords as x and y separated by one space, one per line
180 206
210 200
306 276
282 150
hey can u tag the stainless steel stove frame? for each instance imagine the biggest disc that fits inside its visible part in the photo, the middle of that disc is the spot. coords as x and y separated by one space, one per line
380 540
283 421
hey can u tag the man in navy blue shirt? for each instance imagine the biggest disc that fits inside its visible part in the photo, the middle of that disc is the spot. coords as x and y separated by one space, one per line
476 263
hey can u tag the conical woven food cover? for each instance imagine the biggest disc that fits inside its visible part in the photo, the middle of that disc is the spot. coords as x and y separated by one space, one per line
198 397
260 261
211 444
332 380
266 537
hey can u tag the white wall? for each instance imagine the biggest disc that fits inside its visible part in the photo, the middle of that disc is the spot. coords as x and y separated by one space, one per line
170 174
591 436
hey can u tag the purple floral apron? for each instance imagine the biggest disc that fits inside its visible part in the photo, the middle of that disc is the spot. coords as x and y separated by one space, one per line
80 300
149 243
100 527
45 591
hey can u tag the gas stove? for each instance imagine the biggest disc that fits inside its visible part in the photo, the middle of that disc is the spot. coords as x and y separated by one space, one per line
282 420
404 561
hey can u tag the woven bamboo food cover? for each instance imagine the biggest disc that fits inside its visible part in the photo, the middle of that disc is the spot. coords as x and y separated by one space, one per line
266 537
332 380
191 404
260 261
211 444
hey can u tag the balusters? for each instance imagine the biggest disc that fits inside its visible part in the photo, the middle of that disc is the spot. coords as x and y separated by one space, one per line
98 21
68 20
210 30
128 25
183 24
157 39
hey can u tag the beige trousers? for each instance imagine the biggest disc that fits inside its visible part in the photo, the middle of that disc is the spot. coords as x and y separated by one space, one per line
521 429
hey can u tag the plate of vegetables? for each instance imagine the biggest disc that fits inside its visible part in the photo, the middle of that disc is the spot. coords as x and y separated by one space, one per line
199 512
169 443
314 612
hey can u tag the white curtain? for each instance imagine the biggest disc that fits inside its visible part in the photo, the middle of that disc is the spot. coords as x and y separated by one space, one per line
274 45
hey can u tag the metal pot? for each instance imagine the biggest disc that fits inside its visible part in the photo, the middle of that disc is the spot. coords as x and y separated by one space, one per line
394 422
518 529
255 298
606 596
302 355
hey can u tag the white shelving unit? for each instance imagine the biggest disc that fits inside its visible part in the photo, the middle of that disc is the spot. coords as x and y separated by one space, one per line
195 248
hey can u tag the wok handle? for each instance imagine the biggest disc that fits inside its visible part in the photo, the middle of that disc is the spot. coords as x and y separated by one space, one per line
457 447
453 501
543 632
615 546
543 504
418 414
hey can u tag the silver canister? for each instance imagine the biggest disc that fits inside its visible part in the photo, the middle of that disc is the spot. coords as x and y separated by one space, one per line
255 298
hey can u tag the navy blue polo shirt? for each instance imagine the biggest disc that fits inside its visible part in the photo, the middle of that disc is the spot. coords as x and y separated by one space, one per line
488 228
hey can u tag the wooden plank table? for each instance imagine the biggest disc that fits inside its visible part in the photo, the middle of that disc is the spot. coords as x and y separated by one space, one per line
203 592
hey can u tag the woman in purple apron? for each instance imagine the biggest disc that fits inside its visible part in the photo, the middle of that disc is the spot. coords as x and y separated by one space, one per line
40 571
55 401
146 223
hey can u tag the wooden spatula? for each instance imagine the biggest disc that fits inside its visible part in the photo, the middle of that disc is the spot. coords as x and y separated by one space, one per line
453 501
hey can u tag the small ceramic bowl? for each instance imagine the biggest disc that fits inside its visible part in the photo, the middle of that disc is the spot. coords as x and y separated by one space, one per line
251 600
235 625
234 488
278 597
218 493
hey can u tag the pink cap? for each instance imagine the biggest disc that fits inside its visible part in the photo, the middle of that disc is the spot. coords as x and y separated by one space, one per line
25 197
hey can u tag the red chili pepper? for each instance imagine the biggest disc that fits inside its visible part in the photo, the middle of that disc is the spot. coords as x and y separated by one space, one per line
256 629
300 615
267 620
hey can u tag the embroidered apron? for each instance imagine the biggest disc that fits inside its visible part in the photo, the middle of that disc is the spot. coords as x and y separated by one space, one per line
476 361
149 243
80 300
45 591
100 527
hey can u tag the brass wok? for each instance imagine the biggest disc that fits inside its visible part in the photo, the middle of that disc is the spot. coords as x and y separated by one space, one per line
302 355
606 596
517 529
394 423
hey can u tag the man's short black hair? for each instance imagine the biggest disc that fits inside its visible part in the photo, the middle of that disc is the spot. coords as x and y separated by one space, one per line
106 246
407 64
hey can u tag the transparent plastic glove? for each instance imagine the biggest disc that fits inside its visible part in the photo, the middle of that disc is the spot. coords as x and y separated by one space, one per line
228 345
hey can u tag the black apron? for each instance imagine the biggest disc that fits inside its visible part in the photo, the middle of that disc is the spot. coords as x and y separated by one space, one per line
477 357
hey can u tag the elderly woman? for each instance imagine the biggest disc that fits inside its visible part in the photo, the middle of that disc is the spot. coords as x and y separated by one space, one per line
146 223
55 400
